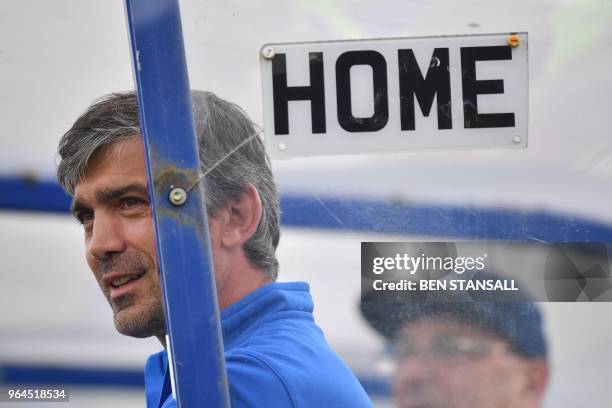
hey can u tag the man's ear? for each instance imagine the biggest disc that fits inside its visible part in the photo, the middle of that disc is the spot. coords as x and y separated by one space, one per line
537 378
241 217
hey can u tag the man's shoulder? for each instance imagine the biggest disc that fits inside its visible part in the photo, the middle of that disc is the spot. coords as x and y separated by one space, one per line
274 348
301 370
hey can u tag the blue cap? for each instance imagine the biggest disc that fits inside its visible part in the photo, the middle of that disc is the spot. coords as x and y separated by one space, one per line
517 321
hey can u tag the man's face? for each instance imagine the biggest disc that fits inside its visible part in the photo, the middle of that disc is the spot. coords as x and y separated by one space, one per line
443 363
112 203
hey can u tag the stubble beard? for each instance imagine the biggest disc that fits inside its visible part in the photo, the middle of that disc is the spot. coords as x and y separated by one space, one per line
144 319
136 316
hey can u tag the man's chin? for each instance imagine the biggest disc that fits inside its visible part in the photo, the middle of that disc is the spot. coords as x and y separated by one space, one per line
132 322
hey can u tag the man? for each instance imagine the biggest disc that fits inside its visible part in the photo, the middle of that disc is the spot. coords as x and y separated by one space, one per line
463 354
275 353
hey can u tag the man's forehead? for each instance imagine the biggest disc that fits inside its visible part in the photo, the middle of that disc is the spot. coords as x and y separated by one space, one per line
114 167
121 154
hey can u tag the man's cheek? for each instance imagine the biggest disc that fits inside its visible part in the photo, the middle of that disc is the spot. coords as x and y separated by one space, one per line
93 267
92 263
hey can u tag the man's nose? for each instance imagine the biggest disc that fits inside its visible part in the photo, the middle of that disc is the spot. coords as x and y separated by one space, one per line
107 237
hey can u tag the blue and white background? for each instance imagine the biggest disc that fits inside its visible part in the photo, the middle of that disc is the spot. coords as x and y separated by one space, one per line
57 57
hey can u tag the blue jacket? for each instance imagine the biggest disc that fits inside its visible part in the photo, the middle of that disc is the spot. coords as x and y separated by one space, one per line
275 354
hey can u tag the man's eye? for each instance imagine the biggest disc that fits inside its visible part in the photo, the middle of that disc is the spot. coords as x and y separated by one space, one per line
132 202
84 218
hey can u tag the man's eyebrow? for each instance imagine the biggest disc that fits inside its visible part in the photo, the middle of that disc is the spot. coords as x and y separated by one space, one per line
110 194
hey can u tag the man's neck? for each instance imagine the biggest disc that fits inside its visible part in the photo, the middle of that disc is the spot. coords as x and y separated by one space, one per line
233 287
238 285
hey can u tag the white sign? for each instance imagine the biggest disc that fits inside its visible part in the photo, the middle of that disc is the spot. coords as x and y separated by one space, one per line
364 96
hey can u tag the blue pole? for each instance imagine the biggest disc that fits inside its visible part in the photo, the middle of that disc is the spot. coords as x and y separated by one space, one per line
183 247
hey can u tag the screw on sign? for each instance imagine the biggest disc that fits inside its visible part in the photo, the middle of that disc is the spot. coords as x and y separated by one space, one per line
268 52
514 40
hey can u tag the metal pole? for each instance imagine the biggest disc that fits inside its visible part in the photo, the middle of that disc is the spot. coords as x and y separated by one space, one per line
181 227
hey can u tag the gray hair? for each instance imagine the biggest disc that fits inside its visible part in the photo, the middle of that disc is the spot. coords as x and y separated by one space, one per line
221 126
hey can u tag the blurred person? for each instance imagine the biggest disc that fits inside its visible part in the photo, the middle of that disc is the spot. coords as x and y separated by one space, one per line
275 353
460 354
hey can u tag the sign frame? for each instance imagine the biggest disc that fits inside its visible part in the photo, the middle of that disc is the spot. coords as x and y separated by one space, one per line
482 81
